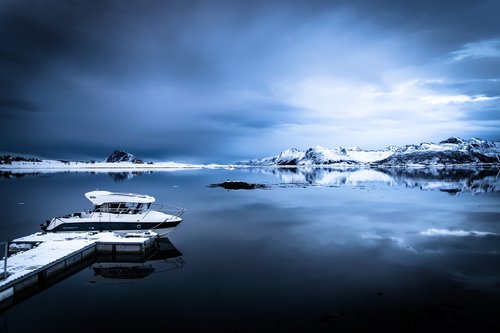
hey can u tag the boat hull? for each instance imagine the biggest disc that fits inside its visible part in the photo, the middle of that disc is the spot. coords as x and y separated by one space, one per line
161 229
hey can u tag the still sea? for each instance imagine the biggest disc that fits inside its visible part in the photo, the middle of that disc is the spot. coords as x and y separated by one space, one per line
315 250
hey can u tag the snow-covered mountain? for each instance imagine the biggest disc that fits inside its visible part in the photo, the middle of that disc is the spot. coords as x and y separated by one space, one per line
324 156
451 151
121 156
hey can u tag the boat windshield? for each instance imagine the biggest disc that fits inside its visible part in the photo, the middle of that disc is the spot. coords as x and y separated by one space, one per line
120 207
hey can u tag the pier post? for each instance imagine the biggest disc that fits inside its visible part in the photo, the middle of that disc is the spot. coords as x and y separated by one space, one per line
6 252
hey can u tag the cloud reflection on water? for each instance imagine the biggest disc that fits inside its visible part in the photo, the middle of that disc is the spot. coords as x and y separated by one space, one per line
330 241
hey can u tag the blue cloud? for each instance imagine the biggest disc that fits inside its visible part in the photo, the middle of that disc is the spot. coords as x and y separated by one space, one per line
476 50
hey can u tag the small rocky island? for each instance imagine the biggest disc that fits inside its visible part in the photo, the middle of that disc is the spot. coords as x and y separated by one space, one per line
238 185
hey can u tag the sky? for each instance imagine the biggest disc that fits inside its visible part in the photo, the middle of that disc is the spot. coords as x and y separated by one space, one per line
224 81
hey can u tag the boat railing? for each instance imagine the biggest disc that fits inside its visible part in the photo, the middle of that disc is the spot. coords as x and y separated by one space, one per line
174 211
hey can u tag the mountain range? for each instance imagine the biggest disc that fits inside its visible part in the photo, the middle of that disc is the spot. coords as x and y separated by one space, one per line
450 151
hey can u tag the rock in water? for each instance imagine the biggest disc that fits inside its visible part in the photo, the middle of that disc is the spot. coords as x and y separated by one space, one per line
238 185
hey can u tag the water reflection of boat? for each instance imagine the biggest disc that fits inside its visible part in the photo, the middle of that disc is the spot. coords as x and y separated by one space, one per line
122 271
119 212
123 268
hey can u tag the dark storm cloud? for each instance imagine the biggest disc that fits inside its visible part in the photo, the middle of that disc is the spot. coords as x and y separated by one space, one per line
193 78
11 103
30 39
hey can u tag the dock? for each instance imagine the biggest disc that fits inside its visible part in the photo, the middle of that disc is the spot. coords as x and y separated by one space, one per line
41 259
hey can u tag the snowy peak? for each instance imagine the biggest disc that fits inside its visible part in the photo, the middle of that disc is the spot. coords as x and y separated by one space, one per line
450 151
289 156
452 140
453 150
323 156
120 156
454 143
320 155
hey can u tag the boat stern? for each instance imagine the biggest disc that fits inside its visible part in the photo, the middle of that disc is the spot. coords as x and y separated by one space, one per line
50 225
45 225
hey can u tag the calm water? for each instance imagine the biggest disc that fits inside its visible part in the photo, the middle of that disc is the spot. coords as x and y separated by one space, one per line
318 250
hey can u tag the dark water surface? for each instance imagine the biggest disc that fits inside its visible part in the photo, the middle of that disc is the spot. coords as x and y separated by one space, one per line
317 251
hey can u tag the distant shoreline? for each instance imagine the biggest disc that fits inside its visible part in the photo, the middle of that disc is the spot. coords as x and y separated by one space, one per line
48 166
70 165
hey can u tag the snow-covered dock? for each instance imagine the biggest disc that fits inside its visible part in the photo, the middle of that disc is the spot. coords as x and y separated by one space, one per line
37 258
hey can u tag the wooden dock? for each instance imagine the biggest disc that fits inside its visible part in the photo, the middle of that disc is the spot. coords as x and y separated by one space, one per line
42 259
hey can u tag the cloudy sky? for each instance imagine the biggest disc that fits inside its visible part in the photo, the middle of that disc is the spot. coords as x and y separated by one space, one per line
221 81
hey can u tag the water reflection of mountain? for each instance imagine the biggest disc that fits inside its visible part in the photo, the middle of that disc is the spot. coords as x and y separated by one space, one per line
123 176
11 175
121 268
451 180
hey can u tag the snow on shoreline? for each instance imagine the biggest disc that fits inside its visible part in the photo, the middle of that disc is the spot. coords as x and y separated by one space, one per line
48 166
53 165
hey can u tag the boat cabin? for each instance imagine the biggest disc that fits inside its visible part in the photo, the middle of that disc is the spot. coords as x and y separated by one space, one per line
119 203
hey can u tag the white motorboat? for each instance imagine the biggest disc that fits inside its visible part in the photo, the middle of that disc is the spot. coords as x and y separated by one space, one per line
120 212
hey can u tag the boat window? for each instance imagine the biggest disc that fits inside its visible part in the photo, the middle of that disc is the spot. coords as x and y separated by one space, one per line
136 209
104 208
120 207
